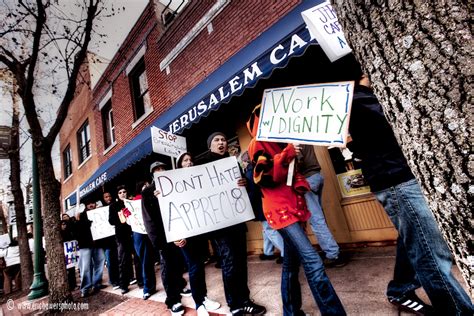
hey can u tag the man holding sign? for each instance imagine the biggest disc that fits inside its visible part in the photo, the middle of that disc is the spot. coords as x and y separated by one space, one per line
232 245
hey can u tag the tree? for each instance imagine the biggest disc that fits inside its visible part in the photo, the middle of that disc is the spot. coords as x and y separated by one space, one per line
15 181
418 55
30 31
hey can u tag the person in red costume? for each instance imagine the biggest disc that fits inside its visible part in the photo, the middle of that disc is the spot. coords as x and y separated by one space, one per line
285 210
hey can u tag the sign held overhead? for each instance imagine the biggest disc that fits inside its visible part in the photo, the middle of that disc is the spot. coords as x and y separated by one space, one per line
166 143
315 114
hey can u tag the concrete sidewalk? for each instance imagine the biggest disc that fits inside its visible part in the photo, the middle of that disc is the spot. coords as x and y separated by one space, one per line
361 286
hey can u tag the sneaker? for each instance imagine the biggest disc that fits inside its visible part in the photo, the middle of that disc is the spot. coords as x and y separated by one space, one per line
186 292
253 309
411 303
132 282
124 291
266 257
177 309
85 294
146 296
210 305
338 262
201 311
115 287
279 260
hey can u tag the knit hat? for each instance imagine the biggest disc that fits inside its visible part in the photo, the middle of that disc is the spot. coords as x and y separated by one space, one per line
211 137
156 164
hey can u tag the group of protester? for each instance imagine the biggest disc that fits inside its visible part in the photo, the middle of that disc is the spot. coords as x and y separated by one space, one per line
423 258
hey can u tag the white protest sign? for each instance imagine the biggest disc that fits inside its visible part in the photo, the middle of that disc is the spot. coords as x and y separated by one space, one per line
201 199
166 143
315 114
100 227
323 25
71 253
5 241
135 219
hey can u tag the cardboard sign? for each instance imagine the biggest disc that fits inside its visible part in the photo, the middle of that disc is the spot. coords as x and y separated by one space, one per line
315 114
5 241
71 253
100 227
201 199
323 24
166 143
135 220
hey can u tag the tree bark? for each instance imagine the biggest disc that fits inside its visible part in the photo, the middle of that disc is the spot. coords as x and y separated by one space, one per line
418 56
15 180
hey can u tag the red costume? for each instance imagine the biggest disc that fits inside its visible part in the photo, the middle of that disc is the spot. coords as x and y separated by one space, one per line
283 205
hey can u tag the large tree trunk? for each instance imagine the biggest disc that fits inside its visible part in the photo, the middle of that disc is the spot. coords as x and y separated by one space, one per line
51 209
418 56
15 180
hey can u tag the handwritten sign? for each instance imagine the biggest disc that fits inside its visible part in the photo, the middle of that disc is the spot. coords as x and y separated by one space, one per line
5 240
201 199
100 227
71 253
323 25
135 220
315 114
166 143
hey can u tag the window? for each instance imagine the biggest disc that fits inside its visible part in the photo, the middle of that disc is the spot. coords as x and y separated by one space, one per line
67 162
139 87
84 142
108 126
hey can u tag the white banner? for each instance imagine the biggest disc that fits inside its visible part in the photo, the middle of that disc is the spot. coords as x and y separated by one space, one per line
316 114
135 219
71 253
100 227
166 143
201 199
323 25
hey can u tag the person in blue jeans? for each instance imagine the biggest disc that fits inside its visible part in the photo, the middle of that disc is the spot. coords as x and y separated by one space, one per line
309 167
423 257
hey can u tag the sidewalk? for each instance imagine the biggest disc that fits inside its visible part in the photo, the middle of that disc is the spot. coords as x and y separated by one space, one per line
360 285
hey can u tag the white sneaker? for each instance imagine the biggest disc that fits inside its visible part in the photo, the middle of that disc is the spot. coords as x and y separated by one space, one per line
210 305
177 309
201 311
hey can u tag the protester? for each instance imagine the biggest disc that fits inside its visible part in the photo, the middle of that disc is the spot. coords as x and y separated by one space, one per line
232 245
67 235
144 251
111 252
192 251
12 270
171 271
285 209
423 258
91 257
309 167
123 237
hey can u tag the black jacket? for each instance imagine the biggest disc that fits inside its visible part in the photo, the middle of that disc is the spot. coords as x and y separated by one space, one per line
152 218
122 230
82 231
373 141
209 157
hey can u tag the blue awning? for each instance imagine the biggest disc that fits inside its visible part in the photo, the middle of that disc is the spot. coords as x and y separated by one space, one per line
287 38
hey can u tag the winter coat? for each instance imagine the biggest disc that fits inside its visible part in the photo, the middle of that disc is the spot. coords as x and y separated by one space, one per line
152 218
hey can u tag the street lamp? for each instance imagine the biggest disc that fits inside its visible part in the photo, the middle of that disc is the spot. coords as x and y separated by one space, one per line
39 288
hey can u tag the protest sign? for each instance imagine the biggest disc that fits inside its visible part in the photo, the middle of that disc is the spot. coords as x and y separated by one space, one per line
5 240
135 219
100 227
166 143
323 25
201 199
71 253
316 114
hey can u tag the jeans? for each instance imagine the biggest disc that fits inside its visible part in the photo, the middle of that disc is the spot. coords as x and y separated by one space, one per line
124 248
144 250
317 220
425 249
172 273
197 276
91 264
271 238
232 249
298 250
111 257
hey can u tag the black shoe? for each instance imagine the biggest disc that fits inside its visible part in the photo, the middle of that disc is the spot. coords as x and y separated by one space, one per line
218 265
411 303
339 262
186 292
279 260
146 296
265 257
124 291
250 308
177 309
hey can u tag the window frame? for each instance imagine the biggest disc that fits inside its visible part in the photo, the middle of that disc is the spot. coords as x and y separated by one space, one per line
85 127
138 94
67 165
108 125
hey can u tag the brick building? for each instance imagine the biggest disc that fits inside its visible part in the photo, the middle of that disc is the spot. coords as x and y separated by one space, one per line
200 72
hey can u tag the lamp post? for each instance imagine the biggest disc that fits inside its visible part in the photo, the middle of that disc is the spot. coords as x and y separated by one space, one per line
39 288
